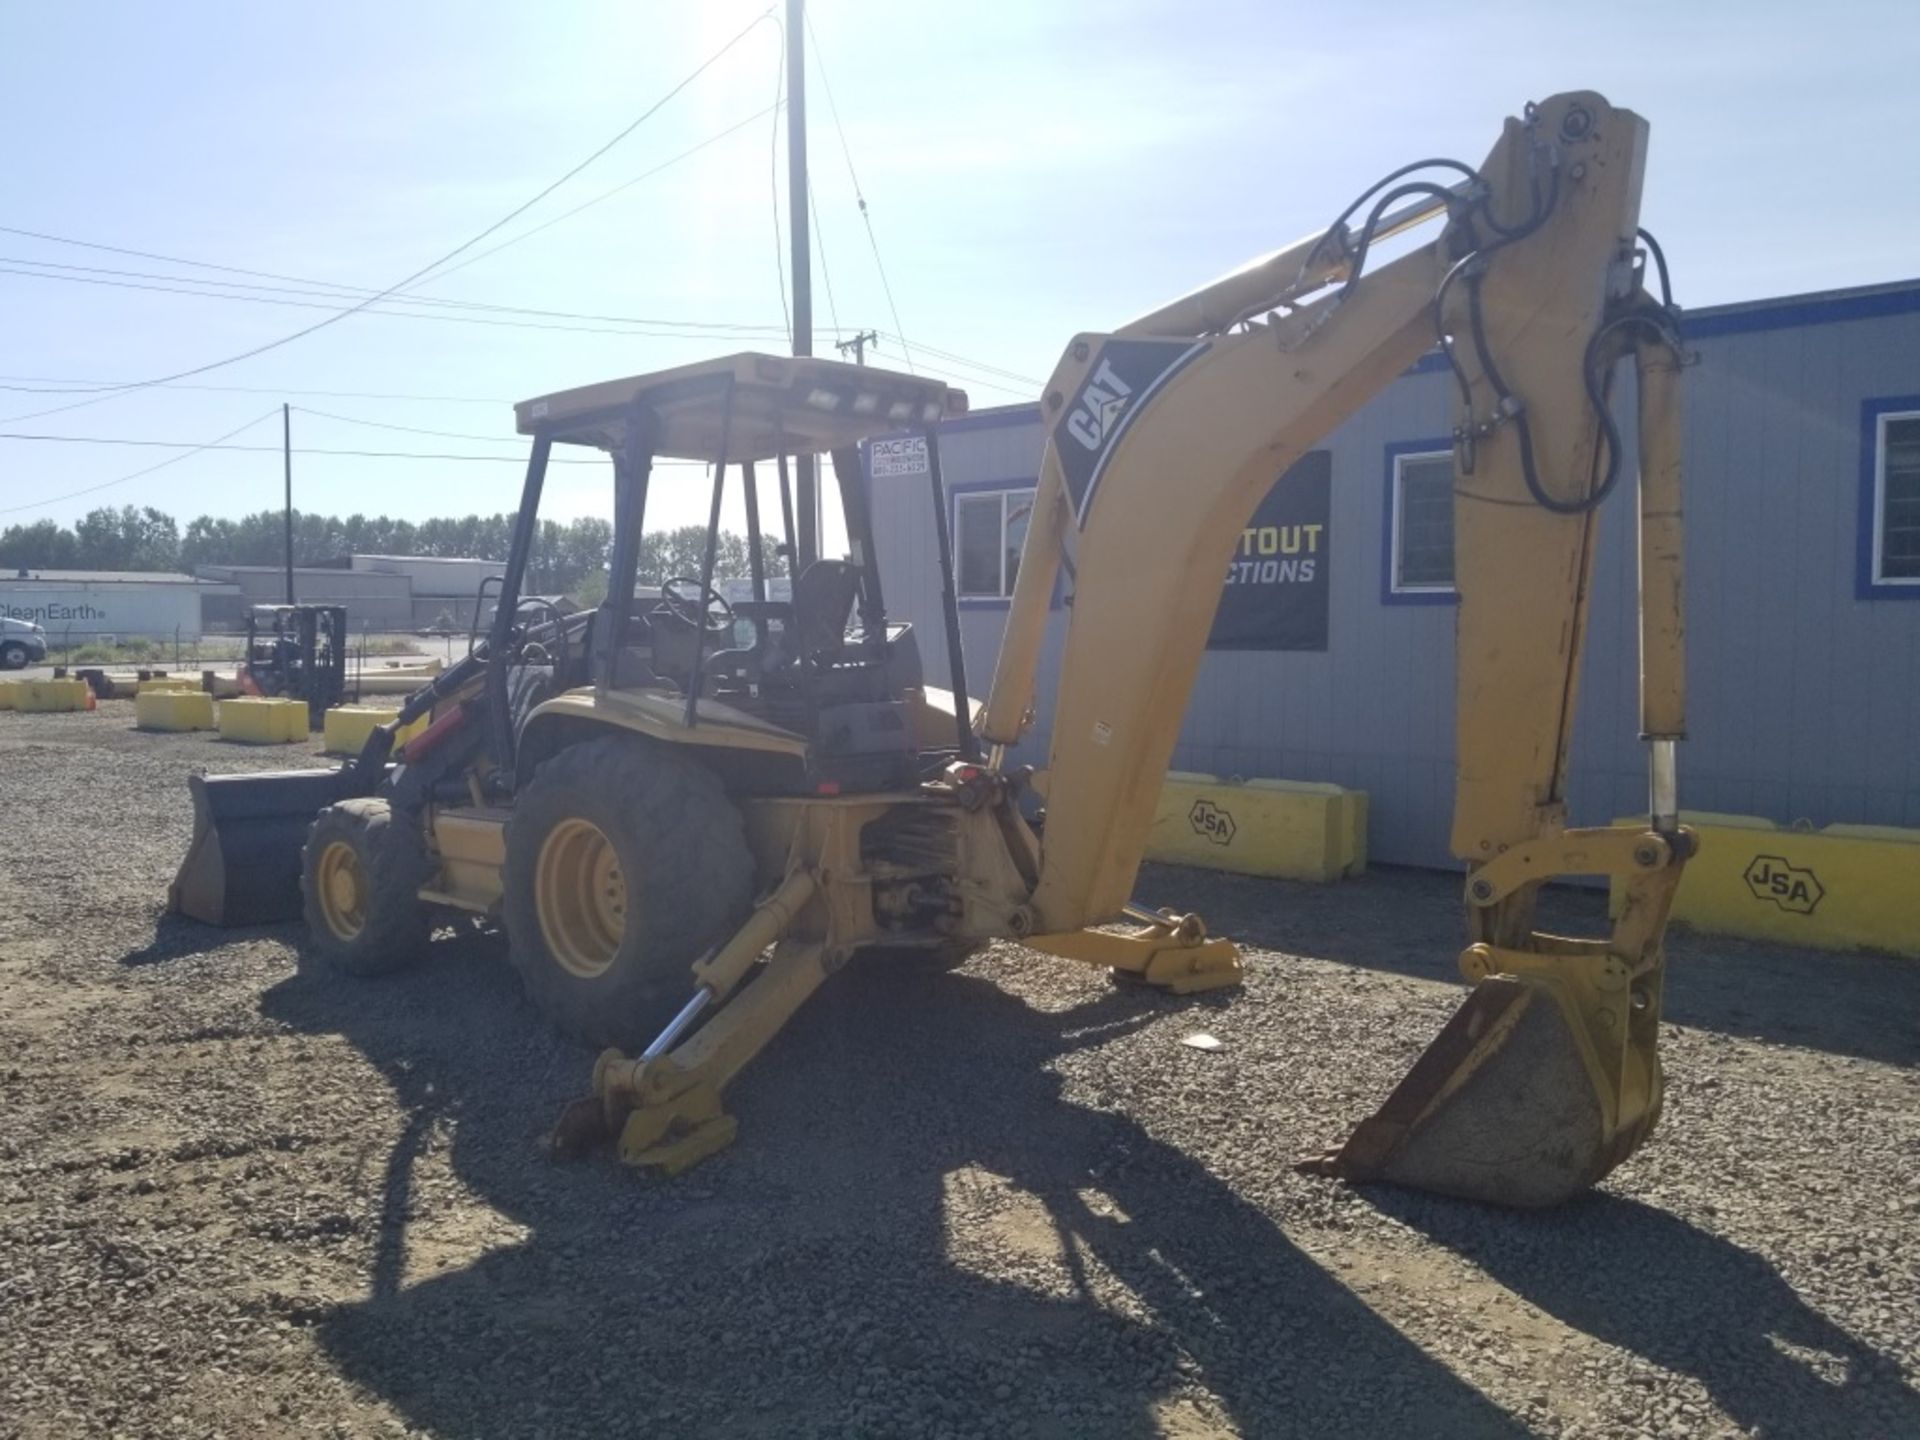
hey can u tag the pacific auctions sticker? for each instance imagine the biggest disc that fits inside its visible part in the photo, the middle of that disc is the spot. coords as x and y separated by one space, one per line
906 456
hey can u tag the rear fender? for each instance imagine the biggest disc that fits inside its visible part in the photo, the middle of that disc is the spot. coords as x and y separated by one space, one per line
746 752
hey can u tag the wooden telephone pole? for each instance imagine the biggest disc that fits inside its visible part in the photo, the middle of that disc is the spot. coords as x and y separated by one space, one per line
286 464
806 480
858 345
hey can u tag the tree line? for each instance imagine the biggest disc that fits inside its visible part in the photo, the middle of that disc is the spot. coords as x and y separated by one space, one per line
567 558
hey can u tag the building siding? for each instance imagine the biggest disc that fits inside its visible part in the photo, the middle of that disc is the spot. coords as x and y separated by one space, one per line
374 601
1804 691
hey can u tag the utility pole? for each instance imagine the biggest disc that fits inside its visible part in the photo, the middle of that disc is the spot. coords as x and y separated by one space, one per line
858 345
286 461
807 497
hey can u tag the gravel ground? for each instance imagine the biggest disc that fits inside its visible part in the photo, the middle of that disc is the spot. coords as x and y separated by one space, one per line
239 1198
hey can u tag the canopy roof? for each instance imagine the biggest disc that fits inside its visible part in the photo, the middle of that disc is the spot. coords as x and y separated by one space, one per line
769 405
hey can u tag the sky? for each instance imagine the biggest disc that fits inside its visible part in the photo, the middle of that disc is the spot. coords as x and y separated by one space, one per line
1031 171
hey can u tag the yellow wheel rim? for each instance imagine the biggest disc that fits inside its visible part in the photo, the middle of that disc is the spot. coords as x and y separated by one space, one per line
581 898
342 887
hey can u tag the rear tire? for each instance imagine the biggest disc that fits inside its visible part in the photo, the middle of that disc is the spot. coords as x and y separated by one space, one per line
360 879
13 656
625 863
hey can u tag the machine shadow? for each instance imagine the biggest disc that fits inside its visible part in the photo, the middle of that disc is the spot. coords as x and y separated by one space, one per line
815 1278
176 937
1686 1300
1410 922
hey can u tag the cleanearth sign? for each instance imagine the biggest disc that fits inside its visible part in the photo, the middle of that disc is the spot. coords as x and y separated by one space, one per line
78 611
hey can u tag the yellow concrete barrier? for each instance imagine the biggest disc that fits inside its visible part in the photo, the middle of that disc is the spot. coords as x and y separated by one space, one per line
7 694
1842 888
254 720
1294 829
44 696
176 709
347 727
165 682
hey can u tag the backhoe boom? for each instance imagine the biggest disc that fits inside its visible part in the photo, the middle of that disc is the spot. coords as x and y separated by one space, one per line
1162 442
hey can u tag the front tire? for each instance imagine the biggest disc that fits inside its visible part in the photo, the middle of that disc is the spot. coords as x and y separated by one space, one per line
360 879
625 862
13 656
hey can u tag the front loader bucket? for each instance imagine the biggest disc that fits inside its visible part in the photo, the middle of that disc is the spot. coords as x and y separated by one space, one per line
1514 1102
243 864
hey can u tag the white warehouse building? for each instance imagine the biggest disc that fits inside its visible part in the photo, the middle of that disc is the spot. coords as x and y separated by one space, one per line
78 607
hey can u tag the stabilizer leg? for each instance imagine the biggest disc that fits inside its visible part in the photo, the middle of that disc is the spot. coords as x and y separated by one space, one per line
665 1105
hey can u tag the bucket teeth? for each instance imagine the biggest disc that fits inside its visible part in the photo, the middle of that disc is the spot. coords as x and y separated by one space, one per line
583 1127
1505 1106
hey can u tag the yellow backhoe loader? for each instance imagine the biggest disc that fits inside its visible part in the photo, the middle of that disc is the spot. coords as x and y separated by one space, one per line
689 813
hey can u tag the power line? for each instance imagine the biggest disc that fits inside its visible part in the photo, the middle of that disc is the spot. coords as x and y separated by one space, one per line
773 178
154 255
193 448
460 249
655 329
327 289
309 285
833 105
965 363
982 373
22 381
409 429
826 271
451 435
170 460
493 314
529 233
969 382
275 449
302 292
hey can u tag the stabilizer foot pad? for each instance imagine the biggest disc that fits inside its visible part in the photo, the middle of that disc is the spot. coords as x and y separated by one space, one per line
685 1150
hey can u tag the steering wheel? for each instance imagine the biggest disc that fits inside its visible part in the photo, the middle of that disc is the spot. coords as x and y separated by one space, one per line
539 605
699 605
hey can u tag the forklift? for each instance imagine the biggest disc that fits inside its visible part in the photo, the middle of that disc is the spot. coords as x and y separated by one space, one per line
298 652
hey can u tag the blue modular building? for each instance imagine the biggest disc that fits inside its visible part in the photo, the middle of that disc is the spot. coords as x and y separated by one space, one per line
1803 568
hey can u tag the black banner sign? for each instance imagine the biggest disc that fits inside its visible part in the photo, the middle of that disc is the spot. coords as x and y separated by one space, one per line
1276 590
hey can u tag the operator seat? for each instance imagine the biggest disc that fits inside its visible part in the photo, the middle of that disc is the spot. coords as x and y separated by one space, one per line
823 597
672 639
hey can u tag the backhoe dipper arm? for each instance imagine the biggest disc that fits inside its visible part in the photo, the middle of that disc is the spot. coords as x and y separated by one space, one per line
1163 439
1162 445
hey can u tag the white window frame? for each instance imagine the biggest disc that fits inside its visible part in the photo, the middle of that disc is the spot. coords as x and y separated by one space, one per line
1395 585
1005 497
1881 422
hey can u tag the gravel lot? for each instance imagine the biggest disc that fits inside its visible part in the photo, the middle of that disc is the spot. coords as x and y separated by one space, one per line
240 1198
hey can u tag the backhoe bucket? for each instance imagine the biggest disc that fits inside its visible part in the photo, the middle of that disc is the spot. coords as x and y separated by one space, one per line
243 865
1514 1102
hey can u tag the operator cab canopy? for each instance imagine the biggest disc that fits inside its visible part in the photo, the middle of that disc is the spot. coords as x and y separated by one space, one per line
821 668
767 405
